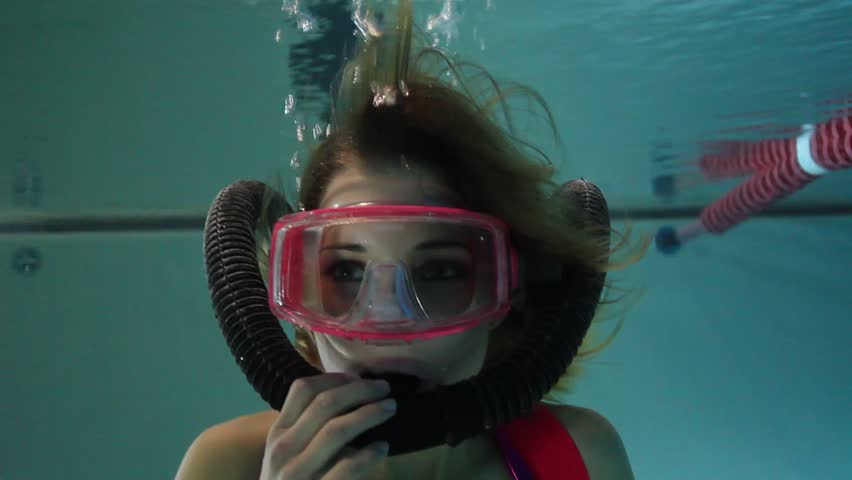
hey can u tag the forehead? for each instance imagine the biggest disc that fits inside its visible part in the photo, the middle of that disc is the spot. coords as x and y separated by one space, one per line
398 186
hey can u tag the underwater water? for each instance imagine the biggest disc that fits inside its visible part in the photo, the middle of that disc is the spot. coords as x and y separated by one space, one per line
122 120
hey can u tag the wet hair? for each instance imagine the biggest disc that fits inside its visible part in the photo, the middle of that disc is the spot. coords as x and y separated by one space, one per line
401 104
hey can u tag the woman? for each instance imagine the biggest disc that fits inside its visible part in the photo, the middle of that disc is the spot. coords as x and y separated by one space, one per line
403 136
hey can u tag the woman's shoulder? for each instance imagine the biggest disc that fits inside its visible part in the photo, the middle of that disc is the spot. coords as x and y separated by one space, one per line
258 422
229 450
247 432
596 438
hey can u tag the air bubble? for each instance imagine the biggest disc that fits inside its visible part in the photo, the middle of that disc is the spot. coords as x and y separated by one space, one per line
300 131
289 104
305 23
365 21
445 24
290 7
318 131
383 95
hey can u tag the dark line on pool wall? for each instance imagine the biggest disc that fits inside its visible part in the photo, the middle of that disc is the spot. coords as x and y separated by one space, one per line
195 222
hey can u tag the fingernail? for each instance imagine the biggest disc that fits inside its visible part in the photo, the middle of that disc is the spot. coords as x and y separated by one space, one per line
382 448
388 404
381 386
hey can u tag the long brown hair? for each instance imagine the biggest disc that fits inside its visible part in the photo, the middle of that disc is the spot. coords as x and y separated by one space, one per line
400 102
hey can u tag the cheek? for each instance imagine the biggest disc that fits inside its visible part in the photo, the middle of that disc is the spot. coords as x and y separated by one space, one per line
332 360
461 356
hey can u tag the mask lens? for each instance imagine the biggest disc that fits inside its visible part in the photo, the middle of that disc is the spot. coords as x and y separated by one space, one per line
445 268
450 277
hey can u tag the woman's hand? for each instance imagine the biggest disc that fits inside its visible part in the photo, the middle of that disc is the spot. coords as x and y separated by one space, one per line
320 416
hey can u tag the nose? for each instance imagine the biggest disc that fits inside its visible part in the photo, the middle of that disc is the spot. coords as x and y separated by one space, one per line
394 297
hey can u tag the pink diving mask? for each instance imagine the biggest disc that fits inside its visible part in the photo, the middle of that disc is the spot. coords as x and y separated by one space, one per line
391 273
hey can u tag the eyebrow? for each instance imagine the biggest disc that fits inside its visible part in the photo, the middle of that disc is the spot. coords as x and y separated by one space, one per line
352 247
430 245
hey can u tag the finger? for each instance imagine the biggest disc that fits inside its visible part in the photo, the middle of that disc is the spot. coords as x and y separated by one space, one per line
333 403
302 393
335 434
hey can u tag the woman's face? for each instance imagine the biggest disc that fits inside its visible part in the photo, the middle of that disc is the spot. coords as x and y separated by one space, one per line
441 360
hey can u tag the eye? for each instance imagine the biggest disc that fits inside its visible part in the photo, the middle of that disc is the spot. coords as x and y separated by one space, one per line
438 270
345 271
